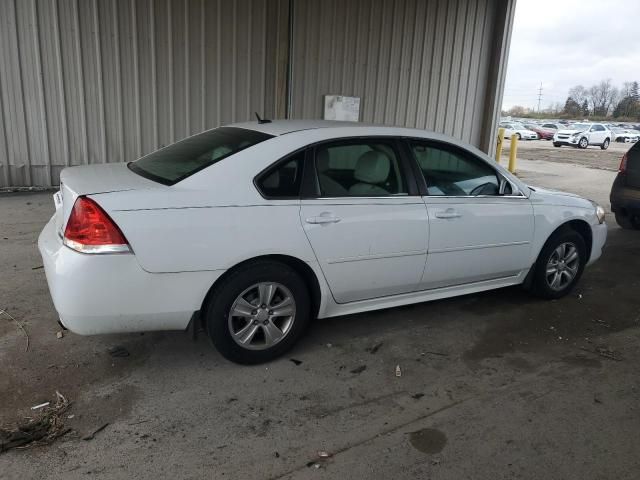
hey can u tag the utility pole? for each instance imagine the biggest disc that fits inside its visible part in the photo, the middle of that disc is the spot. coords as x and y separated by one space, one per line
539 96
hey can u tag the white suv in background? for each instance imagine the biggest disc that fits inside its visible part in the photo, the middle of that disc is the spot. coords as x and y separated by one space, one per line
581 135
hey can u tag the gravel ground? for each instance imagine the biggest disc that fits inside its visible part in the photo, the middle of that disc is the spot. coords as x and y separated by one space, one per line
592 157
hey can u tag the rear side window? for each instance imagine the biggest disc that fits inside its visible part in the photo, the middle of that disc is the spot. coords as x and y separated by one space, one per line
176 162
359 169
284 179
451 173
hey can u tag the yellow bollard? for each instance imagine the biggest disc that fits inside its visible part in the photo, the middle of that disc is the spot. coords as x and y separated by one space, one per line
500 142
513 151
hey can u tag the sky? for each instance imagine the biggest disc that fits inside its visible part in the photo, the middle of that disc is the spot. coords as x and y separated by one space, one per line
563 43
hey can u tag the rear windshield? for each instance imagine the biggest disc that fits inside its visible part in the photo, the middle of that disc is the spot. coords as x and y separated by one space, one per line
176 162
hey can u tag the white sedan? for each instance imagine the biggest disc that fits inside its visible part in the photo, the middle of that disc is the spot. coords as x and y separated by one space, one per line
252 230
519 130
625 135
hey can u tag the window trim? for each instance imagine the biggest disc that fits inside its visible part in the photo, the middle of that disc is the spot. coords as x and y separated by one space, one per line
312 183
422 182
275 165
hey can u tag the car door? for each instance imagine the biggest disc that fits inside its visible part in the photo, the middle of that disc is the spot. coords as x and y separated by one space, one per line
365 219
597 134
475 232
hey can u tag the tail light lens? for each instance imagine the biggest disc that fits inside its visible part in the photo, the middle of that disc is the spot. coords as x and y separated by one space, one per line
90 230
623 164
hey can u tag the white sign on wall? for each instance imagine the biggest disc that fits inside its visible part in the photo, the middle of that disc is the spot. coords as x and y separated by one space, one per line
339 107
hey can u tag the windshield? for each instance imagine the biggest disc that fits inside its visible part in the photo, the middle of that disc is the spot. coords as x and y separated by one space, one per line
579 126
176 162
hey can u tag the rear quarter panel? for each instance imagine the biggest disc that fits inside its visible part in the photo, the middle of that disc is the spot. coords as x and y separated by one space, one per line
212 238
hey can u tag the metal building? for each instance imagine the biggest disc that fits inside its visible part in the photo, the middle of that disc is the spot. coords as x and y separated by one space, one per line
92 81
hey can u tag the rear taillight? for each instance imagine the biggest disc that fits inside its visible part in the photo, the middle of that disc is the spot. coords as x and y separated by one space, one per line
90 230
623 164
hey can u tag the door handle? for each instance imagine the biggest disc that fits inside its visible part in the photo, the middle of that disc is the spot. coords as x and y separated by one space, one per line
323 218
449 213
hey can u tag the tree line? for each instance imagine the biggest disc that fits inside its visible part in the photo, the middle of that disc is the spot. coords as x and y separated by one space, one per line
602 100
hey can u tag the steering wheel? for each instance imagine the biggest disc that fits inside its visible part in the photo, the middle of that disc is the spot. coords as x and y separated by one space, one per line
479 190
450 188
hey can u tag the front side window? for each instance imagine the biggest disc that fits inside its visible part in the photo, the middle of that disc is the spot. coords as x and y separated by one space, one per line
452 173
283 180
176 162
359 169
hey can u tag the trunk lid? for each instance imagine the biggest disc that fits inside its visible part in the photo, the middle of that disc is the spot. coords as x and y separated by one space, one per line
94 179
632 175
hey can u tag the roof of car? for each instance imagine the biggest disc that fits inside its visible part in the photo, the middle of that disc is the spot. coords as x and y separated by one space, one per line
282 127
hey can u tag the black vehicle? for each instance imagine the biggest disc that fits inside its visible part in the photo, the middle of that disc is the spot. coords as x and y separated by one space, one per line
625 193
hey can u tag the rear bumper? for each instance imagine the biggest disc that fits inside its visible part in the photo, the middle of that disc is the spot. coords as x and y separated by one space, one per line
111 293
599 233
529 136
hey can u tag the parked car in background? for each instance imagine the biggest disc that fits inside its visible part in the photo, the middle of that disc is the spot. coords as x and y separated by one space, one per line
624 135
625 192
581 135
552 126
252 230
543 133
519 130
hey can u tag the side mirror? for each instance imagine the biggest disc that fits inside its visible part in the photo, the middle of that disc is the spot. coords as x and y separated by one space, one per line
507 188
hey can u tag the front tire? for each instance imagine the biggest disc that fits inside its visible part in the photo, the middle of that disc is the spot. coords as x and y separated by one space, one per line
605 145
583 143
557 145
560 264
258 313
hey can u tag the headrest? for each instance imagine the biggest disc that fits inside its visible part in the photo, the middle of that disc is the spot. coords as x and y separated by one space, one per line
372 167
322 161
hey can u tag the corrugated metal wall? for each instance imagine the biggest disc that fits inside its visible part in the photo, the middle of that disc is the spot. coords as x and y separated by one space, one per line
92 81
415 63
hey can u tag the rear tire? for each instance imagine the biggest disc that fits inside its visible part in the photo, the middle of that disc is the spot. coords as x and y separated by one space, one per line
626 222
605 145
242 291
551 264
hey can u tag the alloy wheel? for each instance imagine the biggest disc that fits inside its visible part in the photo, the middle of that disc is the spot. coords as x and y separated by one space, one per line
563 266
262 316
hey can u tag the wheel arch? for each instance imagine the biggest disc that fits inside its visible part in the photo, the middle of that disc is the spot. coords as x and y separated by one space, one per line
577 225
301 267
